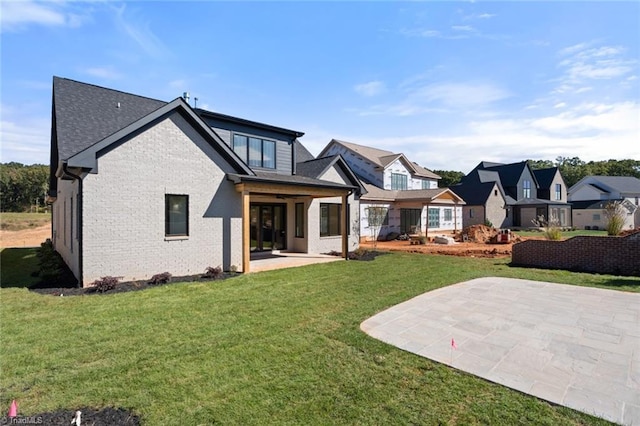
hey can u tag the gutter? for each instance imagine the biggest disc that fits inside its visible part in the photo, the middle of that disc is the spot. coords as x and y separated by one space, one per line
79 215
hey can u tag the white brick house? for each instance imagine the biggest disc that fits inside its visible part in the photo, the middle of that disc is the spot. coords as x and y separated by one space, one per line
408 191
140 186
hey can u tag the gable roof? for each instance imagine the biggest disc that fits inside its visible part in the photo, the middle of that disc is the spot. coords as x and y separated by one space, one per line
382 158
476 195
621 184
89 119
423 195
316 168
545 176
301 152
84 114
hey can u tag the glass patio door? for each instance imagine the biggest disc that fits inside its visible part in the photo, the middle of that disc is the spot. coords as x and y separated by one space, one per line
268 227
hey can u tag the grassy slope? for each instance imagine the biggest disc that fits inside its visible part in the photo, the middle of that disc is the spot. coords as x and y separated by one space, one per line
280 347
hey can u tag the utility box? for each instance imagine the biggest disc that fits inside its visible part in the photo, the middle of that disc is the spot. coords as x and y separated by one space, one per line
504 236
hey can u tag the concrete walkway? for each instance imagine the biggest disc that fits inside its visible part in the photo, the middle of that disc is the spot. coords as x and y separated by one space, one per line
261 262
574 346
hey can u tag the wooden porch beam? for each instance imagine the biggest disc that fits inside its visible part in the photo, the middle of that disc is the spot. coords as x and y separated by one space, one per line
345 228
246 232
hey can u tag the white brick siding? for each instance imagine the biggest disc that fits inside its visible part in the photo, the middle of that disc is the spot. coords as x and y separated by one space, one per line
124 207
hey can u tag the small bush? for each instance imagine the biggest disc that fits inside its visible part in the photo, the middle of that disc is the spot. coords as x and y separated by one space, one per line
105 284
488 223
52 270
214 273
233 269
551 228
615 213
162 278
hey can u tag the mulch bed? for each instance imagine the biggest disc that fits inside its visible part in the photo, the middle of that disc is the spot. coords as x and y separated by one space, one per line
122 287
108 416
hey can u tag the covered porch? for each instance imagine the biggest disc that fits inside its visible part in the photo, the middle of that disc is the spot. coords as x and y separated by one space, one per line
280 220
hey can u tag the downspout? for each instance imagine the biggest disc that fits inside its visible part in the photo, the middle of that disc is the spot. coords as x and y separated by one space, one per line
347 216
79 219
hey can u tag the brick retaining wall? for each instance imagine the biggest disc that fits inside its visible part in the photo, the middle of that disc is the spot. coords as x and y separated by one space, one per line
604 255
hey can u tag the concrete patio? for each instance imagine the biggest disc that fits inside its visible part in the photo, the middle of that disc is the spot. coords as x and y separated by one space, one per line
574 346
267 261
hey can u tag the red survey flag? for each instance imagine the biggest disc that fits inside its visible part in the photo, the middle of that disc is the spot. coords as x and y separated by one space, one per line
13 410
453 344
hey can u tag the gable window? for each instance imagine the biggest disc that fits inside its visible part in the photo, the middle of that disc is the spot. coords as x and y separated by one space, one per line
255 152
558 191
448 215
471 213
526 189
330 215
176 219
299 220
398 181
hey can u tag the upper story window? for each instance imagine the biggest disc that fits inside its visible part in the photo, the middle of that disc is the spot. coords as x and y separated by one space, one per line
526 189
255 152
398 181
558 191
426 184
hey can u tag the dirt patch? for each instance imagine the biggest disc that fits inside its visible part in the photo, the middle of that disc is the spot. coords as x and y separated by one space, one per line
32 237
468 249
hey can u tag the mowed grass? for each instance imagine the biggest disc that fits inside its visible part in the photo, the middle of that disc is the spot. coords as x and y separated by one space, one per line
19 221
565 234
17 266
278 347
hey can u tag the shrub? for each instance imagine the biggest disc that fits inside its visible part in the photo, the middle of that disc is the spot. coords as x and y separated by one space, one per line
488 223
105 284
162 278
214 273
615 214
551 228
52 270
233 269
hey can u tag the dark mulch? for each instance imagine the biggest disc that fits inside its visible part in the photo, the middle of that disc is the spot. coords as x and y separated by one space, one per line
108 416
122 287
360 254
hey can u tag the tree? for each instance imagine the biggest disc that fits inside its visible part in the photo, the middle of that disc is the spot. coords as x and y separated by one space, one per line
540 164
22 186
449 177
376 216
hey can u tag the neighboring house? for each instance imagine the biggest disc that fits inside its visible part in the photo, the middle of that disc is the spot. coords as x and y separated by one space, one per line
591 194
141 186
513 195
408 191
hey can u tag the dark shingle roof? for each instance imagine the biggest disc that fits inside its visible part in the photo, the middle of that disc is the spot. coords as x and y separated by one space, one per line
301 153
623 184
314 168
545 177
85 114
474 194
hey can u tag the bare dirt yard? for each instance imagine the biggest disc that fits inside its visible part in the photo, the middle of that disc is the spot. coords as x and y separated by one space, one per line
31 237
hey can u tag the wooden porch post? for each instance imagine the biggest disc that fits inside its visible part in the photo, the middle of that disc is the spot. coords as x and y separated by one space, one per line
345 228
246 232
455 217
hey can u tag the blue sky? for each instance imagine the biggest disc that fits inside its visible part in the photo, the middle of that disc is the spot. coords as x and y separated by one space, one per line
447 83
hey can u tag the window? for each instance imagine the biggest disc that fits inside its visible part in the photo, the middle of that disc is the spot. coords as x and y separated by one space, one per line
300 220
596 217
434 218
410 220
330 215
426 184
495 192
71 224
526 189
471 213
255 152
398 181
448 215
176 208
558 191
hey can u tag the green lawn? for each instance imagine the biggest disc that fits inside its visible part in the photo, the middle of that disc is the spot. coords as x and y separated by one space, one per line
16 267
565 234
278 347
19 221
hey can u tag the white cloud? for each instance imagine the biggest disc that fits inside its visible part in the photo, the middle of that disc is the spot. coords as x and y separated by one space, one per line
585 62
25 139
466 28
139 31
17 15
106 73
461 95
560 105
371 88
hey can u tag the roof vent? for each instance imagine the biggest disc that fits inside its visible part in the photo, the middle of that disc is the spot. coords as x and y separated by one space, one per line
118 105
185 96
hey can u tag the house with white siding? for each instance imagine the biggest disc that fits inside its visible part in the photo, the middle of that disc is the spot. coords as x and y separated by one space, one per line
141 186
408 192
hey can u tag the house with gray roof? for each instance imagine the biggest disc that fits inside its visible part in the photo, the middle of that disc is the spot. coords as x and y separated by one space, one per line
140 186
408 192
591 194
513 195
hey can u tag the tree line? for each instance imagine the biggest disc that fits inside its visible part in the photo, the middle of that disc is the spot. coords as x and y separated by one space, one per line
23 187
572 169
